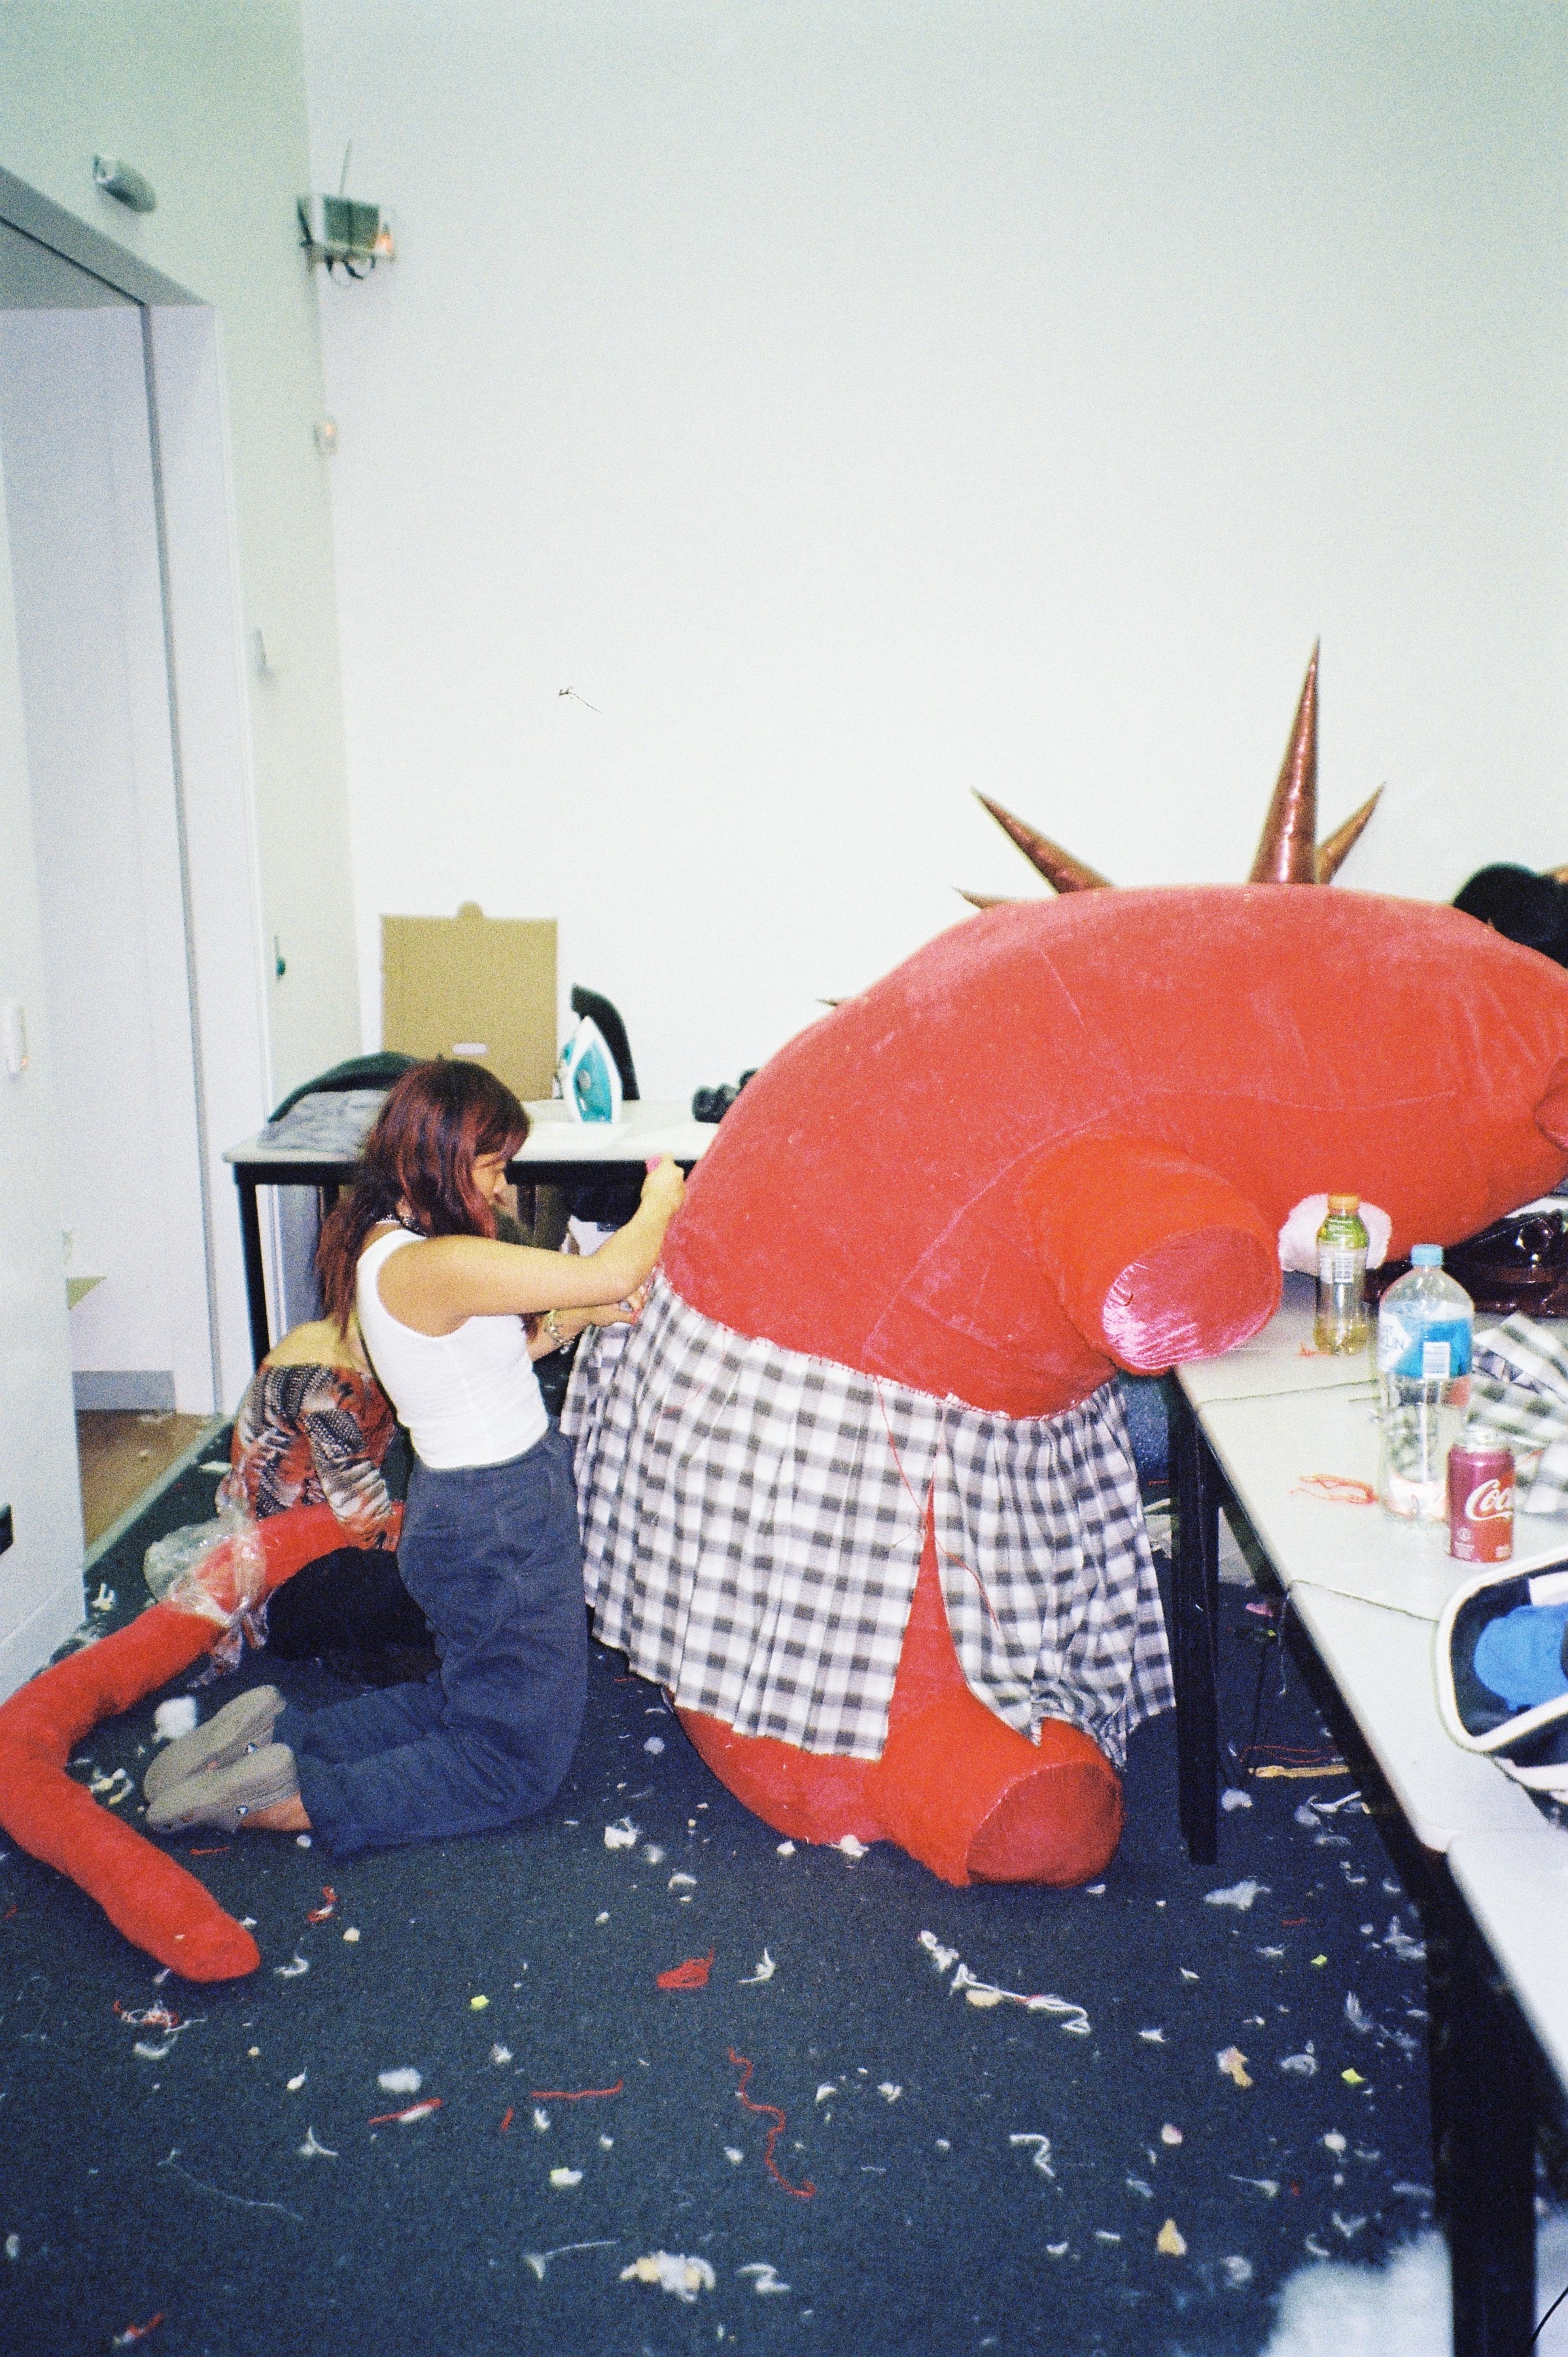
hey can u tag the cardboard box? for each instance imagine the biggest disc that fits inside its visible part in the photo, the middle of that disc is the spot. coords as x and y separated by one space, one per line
473 985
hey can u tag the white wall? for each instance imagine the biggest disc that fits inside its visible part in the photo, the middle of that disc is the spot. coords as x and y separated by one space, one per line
79 483
206 98
861 403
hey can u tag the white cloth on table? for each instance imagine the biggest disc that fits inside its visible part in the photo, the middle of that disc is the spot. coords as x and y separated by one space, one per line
1519 1394
753 1519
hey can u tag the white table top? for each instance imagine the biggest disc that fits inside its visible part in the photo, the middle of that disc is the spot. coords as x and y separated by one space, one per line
1280 1359
1382 1663
1515 1885
645 1128
1267 1446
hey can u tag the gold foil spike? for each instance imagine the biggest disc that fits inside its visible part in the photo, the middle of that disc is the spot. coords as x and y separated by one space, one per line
1287 849
1558 875
1058 867
1332 855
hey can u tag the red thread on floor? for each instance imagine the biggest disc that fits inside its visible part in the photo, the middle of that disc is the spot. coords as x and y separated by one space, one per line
692 1974
409 2111
581 2094
223 1851
138 2331
507 2118
148 2016
319 1914
805 2190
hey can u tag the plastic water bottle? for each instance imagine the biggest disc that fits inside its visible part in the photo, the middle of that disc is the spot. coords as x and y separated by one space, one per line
1425 1325
1341 1277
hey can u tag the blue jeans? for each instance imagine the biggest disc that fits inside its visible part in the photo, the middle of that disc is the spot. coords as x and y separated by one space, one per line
490 1555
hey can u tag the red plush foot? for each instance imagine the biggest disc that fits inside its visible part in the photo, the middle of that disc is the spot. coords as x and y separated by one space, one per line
977 1802
1059 1822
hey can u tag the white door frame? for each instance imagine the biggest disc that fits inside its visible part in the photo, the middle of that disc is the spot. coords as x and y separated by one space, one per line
210 732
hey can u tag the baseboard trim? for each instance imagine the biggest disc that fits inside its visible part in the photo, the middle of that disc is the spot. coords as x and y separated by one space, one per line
147 1388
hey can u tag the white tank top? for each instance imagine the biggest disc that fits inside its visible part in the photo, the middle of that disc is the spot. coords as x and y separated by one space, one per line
468 1398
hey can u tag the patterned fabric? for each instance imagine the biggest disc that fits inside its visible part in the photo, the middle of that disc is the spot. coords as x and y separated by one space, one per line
310 1436
1519 1394
753 1521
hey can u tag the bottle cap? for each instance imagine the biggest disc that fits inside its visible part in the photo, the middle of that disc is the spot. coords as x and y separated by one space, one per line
1426 1255
1344 1202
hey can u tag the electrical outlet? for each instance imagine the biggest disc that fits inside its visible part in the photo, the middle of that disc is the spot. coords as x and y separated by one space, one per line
7 1532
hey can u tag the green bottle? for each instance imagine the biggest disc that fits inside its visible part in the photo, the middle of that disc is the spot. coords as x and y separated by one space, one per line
1341 1278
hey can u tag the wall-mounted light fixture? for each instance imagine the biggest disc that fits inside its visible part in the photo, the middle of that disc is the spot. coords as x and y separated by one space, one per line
125 184
343 232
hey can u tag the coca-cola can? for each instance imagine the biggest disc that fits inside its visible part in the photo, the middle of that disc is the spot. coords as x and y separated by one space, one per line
1480 1503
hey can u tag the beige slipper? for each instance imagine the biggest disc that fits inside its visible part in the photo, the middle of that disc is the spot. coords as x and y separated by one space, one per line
241 1726
225 1797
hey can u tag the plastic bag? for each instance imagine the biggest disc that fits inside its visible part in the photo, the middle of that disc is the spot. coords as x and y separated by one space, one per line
218 1570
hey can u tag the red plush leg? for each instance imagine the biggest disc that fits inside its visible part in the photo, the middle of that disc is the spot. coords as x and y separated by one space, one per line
955 1786
966 1794
1156 1259
144 1893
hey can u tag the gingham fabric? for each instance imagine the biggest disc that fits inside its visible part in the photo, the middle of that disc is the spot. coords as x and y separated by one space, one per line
1519 1394
753 1521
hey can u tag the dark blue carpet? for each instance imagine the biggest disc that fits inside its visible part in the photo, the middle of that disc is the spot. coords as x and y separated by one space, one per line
983 2176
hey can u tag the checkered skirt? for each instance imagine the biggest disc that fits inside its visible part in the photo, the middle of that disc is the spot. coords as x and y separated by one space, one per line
1519 1394
753 1521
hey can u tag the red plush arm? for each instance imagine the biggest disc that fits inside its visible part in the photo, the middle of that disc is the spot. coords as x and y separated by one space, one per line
1156 1259
144 1893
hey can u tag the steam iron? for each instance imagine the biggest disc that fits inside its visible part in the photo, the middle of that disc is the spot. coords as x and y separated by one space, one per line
589 1080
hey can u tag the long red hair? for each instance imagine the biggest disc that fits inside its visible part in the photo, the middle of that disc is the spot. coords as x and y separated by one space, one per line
417 1165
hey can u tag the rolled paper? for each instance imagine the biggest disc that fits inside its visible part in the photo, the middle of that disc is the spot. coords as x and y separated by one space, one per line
1058 867
1287 848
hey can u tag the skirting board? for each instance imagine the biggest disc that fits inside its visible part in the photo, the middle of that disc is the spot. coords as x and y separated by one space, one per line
42 1634
147 1388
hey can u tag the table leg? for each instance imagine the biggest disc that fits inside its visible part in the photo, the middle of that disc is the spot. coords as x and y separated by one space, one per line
1195 1583
255 1273
1482 2139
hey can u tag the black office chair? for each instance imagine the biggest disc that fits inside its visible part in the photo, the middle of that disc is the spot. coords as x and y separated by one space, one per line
377 1071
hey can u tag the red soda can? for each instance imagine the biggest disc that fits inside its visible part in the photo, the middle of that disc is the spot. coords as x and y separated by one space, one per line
1480 1503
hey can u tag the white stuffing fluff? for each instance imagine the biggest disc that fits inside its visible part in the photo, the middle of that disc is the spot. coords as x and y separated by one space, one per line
672 2271
400 2082
1332 2308
175 1718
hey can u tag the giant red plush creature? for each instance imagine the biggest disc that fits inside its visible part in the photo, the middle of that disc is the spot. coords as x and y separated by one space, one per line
1057 1141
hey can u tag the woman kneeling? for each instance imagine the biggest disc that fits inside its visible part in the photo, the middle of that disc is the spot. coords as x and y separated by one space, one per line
452 1320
